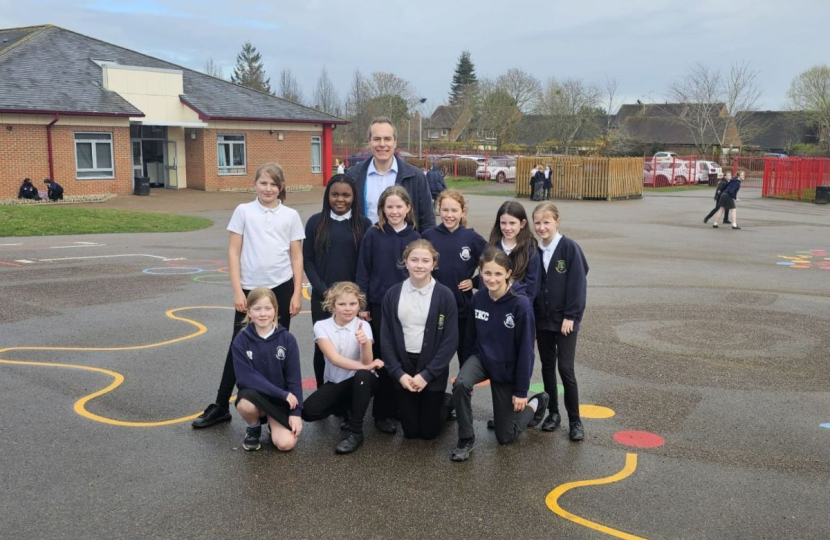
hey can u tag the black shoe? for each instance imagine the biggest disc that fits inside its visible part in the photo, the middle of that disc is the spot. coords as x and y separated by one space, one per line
727 222
349 444
463 449
214 414
706 220
387 425
551 422
715 226
252 436
735 228
542 400
452 416
450 406
577 433
491 424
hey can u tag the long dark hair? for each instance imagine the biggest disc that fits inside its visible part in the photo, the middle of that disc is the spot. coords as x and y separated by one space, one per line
322 240
525 243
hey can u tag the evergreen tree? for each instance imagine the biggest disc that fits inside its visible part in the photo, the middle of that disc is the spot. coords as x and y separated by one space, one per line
463 79
249 71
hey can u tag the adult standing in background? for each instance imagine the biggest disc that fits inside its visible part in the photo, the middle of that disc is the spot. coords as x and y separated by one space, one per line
384 170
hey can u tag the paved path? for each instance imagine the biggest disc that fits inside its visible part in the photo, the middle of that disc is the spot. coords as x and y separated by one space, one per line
702 339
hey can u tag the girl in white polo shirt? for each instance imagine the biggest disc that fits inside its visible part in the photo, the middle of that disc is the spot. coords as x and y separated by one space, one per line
265 250
350 381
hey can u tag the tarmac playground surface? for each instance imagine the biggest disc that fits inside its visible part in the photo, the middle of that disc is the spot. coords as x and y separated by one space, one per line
703 369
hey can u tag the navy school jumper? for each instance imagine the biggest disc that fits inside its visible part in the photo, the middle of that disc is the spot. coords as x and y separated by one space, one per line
440 338
564 287
459 253
380 254
501 334
270 366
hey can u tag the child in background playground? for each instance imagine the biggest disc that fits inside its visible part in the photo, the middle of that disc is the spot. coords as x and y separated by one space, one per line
459 249
346 343
420 336
499 347
511 234
377 271
330 249
266 362
271 255
558 310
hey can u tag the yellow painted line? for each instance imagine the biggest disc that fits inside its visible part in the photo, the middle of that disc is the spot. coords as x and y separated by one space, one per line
80 405
552 500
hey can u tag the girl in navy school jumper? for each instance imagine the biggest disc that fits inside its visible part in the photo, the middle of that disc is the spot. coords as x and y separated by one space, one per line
377 271
459 248
265 247
511 233
558 308
499 347
266 361
419 338
332 242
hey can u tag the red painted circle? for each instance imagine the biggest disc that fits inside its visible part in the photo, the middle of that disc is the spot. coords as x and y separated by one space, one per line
639 439
309 383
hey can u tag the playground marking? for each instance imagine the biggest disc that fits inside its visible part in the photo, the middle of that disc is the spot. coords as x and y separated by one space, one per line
7 263
552 499
639 439
827 425
80 405
19 244
112 256
25 261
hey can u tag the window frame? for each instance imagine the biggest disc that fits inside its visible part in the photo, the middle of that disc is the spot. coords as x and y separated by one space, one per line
232 170
317 141
93 144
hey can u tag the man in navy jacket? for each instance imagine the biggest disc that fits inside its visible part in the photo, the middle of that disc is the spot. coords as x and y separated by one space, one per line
385 169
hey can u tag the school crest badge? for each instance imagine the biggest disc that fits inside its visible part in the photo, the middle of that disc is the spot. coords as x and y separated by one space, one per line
466 253
561 268
441 322
508 321
280 353
250 355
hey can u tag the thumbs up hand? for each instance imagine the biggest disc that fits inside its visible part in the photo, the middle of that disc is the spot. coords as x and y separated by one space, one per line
360 335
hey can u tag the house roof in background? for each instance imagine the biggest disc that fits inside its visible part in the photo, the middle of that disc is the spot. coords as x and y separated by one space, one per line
444 117
779 130
49 69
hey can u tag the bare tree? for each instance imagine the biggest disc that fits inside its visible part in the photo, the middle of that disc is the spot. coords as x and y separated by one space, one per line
705 92
325 95
573 106
809 94
524 88
611 103
497 114
213 69
289 87
388 84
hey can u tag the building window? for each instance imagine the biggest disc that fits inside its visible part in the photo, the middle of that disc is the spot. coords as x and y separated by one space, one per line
432 133
231 151
316 155
93 155
445 132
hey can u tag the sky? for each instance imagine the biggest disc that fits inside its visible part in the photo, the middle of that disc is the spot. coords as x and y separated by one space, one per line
644 45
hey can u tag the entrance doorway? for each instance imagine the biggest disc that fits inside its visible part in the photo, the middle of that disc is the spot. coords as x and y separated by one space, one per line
154 157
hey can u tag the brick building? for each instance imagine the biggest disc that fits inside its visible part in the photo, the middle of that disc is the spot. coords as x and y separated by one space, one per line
93 116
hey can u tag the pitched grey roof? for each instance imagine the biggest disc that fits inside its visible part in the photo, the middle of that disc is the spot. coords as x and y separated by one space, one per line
664 110
779 130
445 116
535 129
51 69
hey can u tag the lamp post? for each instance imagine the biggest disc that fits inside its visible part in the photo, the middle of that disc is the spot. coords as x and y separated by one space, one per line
421 127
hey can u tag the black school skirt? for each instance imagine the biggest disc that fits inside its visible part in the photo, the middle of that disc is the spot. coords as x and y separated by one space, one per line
271 406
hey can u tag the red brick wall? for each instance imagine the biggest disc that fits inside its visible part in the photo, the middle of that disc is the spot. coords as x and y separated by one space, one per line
25 154
293 153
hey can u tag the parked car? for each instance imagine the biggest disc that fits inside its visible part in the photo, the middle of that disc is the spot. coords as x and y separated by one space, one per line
501 170
670 157
665 173
708 172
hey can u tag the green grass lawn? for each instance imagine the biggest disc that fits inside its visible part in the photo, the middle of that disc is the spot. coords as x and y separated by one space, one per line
462 182
57 220
676 188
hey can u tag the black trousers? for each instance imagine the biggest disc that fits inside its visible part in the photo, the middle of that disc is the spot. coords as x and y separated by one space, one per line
384 404
318 314
556 348
509 423
283 293
422 414
462 333
352 395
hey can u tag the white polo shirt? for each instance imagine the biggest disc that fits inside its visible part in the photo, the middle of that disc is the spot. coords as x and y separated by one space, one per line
344 341
266 240
413 309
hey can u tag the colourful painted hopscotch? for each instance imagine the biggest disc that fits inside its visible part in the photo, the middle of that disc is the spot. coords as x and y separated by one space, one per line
813 258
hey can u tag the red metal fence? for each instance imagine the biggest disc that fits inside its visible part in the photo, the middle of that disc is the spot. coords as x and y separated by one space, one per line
680 170
795 178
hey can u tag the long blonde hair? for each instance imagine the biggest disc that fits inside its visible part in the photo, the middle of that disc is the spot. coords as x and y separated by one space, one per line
255 296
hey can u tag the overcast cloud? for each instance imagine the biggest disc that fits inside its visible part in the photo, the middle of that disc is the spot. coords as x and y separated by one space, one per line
643 44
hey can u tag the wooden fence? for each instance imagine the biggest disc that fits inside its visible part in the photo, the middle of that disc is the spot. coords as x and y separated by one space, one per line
576 177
